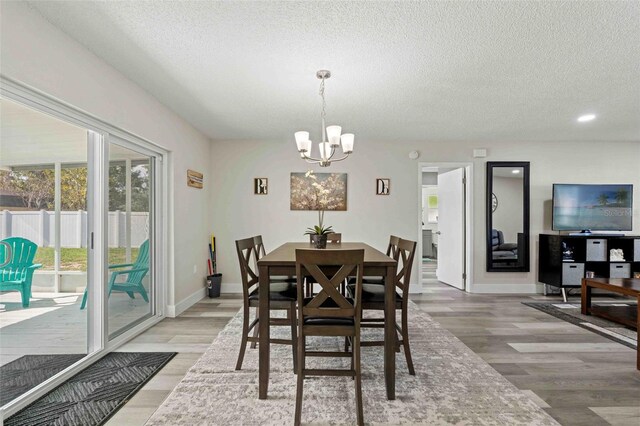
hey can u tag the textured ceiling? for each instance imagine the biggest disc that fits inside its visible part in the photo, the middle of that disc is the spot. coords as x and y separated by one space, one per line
445 71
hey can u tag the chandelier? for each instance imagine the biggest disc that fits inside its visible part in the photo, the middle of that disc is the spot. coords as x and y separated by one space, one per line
331 136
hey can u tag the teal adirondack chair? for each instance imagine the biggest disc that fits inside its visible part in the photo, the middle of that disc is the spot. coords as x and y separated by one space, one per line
16 273
135 274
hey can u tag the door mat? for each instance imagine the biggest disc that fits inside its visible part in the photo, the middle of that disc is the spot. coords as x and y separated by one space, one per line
92 396
571 312
27 372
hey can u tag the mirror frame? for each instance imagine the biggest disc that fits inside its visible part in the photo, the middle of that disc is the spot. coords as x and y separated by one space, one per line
523 263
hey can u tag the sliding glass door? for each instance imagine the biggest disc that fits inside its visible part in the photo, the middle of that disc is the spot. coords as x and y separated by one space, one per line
85 201
131 239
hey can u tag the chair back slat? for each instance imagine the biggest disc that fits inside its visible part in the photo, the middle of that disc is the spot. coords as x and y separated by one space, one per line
142 262
329 268
247 257
5 254
329 286
22 252
392 248
257 241
334 237
406 250
258 252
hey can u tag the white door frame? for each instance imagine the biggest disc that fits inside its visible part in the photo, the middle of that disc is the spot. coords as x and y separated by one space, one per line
96 319
468 250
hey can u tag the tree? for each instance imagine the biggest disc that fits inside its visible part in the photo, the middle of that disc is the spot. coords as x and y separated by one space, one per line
35 187
73 185
139 188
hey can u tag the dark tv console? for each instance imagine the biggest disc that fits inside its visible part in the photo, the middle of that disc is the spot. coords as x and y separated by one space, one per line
564 260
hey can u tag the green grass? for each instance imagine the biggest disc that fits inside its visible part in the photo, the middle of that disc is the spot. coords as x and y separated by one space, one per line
75 259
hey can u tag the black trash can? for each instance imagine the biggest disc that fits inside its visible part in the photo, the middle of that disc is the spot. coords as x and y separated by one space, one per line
214 282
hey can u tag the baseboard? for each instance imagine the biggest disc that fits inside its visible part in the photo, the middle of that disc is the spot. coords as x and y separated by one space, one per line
231 288
173 311
507 288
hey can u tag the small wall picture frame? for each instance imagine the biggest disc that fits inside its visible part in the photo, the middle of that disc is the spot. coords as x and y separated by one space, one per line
195 179
383 186
260 186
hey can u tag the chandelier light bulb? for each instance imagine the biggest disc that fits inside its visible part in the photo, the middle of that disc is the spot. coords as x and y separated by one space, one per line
305 146
333 134
347 143
301 138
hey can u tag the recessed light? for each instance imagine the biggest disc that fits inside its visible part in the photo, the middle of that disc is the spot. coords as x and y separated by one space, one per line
515 171
586 117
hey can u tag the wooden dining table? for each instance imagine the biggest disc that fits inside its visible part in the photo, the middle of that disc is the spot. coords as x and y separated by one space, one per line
282 261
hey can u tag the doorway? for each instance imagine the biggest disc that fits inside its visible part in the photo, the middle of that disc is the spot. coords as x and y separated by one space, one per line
444 220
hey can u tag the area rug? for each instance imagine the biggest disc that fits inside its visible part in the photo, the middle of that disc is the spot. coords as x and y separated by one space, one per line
28 371
452 385
571 312
92 396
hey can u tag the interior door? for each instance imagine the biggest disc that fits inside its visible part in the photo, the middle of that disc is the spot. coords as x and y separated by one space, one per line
451 228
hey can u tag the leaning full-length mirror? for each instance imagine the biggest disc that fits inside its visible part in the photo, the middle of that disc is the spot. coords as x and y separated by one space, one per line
507 203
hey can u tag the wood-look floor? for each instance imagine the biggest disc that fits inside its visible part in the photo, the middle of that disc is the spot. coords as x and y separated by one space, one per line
578 377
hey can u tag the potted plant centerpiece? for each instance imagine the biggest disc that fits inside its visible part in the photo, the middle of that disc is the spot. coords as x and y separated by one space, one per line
319 233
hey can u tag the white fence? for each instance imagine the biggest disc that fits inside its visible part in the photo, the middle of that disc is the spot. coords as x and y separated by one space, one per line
39 227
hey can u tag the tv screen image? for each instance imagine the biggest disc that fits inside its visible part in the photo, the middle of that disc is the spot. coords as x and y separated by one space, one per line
604 207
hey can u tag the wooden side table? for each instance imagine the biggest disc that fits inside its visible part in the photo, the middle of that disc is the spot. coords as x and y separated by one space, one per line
627 315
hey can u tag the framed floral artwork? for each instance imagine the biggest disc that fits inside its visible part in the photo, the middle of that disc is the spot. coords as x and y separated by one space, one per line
319 191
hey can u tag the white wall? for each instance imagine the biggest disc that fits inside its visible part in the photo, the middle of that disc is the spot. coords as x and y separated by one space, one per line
237 213
39 55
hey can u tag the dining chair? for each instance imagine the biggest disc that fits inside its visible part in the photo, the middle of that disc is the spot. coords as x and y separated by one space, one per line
282 296
133 273
329 313
260 251
373 299
392 251
334 238
17 270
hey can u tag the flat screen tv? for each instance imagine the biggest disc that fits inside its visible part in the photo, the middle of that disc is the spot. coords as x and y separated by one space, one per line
604 207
